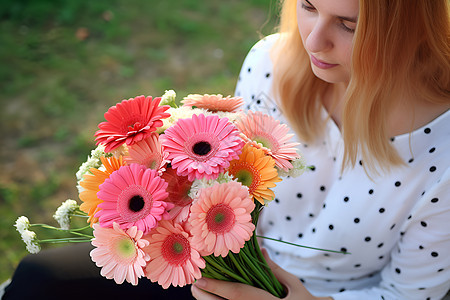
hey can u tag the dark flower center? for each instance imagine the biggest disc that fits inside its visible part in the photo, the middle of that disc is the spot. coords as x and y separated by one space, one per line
202 148
136 203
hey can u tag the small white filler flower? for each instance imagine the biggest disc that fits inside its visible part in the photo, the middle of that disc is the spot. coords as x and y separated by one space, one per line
199 184
62 214
22 224
298 167
168 98
93 161
30 239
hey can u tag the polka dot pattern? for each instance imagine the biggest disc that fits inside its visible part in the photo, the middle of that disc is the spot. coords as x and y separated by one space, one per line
390 223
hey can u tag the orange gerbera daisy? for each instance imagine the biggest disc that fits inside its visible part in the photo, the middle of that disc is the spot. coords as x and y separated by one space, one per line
213 103
91 183
257 171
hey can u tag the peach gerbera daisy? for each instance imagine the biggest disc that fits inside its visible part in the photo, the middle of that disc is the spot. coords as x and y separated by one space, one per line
264 132
91 183
133 196
178 189
213 103
119 253
173 260
202 146
221 219
148 152
130 121
257 171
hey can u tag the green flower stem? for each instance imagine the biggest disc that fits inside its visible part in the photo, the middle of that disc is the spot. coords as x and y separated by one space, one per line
79 215
256 281
72 231
60 242
266 284
81 234
292 244
210 272
80 229
65 240
257 256
205 274
262 261
226 263
238 267
255 277
225 270
250 259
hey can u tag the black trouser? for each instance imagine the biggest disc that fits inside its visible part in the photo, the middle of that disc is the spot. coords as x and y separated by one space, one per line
69 273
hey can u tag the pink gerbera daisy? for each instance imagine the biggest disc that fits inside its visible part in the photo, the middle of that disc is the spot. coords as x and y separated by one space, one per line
178 189
120 253
221 220
130 121
173 260
266 133
202 147
133 196
213 102
148 152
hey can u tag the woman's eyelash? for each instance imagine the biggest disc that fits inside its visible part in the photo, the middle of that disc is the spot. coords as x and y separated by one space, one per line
342 25
307 8
350 30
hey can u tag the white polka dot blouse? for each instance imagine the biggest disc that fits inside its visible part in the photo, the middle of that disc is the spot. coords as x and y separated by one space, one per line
395 227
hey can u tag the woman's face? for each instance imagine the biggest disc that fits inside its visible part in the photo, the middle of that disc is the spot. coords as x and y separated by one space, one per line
326 28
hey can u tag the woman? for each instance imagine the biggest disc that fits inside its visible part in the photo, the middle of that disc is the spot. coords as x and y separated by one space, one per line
366 86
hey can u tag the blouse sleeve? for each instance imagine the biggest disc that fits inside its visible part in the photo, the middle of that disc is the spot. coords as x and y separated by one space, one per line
255 79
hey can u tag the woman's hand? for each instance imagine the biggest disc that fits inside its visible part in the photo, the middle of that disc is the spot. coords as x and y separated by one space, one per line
212 289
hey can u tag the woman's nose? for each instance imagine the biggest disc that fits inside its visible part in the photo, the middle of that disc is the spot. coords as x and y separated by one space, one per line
319 39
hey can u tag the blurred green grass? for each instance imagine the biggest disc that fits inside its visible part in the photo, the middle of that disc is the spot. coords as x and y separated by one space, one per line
63 63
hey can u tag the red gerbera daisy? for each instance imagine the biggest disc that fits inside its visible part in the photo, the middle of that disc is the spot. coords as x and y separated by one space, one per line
130 121
178 189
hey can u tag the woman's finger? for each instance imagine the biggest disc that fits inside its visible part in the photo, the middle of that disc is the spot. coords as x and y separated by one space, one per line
200 294
290 282
232 290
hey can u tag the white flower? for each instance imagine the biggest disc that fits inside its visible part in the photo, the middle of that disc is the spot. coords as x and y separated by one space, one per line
168 98
182 112
22 224
231 116
93 161
185 112
298 167
62 214
30 239
199 184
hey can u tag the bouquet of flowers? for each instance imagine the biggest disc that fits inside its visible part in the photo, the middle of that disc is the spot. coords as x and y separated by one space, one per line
173 193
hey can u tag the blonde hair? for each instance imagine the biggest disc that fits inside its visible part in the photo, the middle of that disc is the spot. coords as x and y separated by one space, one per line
399 45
